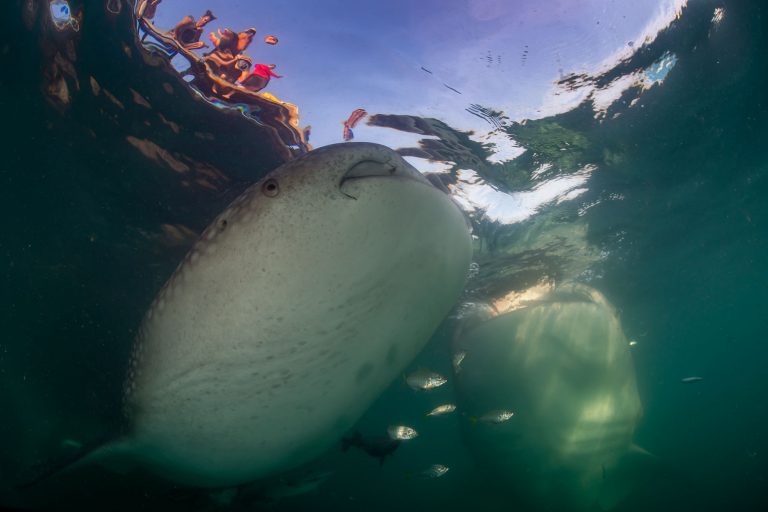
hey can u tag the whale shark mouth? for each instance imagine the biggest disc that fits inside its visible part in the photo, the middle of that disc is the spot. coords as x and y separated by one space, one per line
367 169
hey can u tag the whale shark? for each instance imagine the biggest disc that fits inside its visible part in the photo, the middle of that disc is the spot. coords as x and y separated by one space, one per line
293 311
561 364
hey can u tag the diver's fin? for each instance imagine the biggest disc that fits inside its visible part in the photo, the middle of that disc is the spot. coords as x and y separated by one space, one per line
634 469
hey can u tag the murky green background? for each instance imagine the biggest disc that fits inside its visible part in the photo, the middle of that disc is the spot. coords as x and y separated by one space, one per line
676 207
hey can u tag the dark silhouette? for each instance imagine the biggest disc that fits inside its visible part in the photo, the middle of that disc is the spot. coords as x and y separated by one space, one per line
377 447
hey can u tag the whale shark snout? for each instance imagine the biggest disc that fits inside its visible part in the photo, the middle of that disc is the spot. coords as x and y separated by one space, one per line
373 169
370 167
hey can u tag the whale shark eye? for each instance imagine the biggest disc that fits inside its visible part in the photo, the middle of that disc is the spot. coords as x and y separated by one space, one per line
270 188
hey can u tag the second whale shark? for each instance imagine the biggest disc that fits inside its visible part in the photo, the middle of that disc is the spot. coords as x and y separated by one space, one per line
553 386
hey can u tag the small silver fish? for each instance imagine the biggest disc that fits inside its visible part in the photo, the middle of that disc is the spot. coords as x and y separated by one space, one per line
495 416
434 471
425 379
692 379
632 343
401 432
442 409
458 358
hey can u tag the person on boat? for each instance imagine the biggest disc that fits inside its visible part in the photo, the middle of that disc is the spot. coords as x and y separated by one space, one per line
244 39
259 77
228 44
188 31
224 44
148 8
226 60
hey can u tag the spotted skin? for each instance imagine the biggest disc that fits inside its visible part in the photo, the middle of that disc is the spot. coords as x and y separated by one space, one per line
294 310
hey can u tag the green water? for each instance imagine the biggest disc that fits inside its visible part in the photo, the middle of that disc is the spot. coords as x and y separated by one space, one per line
675 208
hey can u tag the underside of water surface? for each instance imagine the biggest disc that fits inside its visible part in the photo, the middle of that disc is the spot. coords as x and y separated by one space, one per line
609 160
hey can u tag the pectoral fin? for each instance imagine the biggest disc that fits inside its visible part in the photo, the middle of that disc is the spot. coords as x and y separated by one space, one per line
116 456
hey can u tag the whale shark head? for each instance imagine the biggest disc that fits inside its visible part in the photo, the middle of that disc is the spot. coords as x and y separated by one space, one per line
323 179
296 307
332 170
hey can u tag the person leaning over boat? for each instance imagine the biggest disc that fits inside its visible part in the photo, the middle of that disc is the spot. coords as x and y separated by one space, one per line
147 9
188 31
259 77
